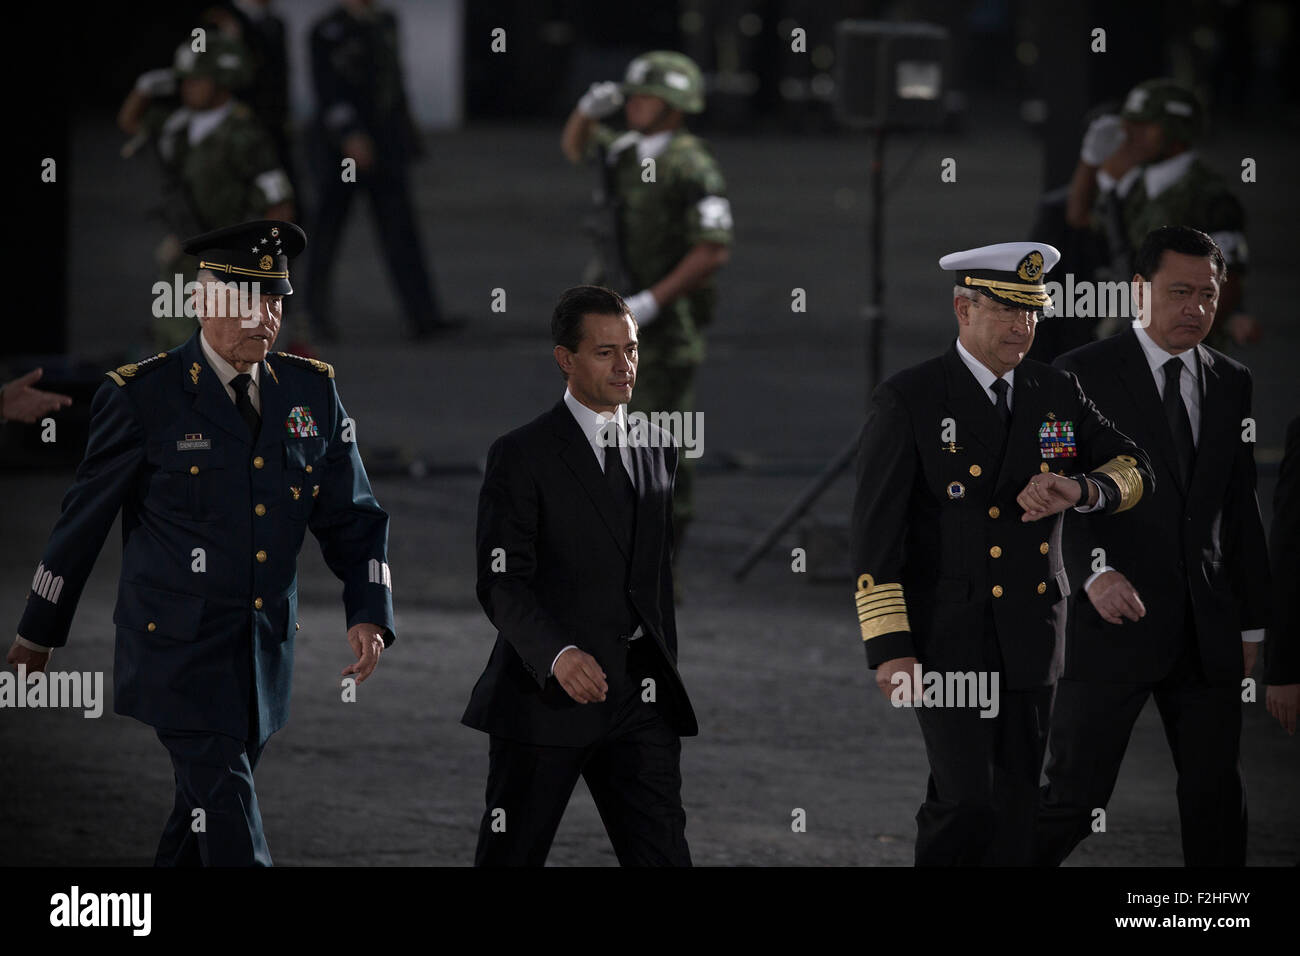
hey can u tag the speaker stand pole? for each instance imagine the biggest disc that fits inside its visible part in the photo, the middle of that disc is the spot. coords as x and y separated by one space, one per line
874 315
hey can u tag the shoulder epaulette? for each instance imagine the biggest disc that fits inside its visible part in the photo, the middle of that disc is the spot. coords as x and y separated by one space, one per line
134 369
316 365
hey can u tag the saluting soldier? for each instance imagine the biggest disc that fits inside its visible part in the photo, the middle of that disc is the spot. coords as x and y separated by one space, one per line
1145 172
669 230
220 455
218 162
961 458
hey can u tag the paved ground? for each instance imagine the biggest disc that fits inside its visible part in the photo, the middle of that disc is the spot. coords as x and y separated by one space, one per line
774 664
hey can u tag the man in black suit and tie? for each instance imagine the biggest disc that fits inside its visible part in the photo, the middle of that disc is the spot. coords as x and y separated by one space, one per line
1170 599
574 549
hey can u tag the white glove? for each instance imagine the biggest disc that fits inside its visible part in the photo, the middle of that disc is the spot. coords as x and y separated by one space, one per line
600 100
157 82
1105 135
643 307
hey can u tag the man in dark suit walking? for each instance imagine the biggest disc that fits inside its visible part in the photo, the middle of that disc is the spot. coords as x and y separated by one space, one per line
574 549
1170 599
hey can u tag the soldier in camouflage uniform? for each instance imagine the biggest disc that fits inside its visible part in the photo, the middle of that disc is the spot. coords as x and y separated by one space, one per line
1146 174
219 164
670 226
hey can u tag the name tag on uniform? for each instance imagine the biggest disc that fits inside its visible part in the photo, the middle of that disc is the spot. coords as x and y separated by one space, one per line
1056 440
300 424
194 442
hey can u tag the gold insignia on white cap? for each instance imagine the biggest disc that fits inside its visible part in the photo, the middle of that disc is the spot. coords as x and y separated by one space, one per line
1008 271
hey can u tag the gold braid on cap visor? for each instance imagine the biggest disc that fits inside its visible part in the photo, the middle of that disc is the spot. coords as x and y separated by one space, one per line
1035 295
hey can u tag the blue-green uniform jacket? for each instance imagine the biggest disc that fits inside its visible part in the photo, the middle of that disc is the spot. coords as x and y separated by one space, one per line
212 523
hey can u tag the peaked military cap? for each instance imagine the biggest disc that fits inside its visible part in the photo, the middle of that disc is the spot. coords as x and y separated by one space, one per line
259 250
1010 272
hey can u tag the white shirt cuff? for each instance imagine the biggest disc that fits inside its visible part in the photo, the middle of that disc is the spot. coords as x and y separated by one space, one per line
1092 577
1253 636
42 649
1101 498
557 656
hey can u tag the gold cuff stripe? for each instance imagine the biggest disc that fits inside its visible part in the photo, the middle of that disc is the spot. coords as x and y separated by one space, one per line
886 624
239 270
1023 294
865 607
115 377
1122 470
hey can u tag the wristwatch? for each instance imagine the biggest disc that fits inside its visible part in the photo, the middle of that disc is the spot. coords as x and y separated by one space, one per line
1083 490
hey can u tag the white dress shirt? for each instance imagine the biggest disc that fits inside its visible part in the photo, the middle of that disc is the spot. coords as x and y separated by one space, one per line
225 372
594 424
1188 381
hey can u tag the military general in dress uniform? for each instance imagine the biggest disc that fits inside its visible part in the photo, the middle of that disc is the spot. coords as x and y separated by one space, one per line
669 227
219 455
961 459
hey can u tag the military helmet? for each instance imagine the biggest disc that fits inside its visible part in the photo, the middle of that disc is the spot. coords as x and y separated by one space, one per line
1167 102
671 76
224 59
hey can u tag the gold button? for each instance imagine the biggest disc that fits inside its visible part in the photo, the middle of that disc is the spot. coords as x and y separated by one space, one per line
1044 467
258 604
995 511
153 626
261 556
260 510
309 469
975 471
258 462
1042 587
997 590
297 626
1042 548
194 469
995 552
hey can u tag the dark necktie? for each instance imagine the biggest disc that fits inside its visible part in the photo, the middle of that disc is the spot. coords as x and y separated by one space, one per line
1180 424
244 404
620 486
1001 388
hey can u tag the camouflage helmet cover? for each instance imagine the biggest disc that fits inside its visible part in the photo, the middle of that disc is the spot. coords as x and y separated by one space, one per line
224 59
671 76
1169 103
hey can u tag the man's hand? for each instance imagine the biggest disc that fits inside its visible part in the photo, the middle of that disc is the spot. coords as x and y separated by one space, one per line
580 676
1105 135
360 147
1283 702
885 676
34 660
19 402
1048 494
1115 599
600 100
367 641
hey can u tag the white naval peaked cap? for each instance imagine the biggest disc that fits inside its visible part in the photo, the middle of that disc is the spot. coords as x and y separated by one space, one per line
1010 272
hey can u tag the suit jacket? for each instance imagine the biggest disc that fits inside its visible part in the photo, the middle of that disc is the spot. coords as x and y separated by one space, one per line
212 523
936 531
1282 652
570 577
1202 541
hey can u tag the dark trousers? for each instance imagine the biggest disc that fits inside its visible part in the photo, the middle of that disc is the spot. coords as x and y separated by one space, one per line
390 200
214 773
1091 724
633 772
983 787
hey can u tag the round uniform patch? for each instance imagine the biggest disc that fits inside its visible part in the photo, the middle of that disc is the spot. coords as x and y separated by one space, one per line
956 490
